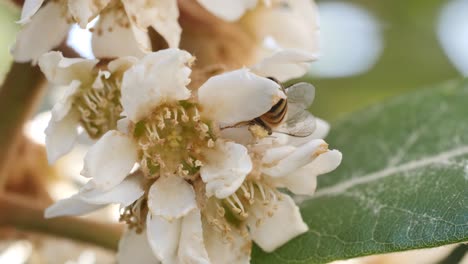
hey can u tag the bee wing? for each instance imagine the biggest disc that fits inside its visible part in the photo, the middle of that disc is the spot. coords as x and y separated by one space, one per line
300 124
301 94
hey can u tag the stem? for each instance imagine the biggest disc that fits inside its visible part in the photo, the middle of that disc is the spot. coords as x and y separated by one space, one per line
22 213
456 255
19 95
18 98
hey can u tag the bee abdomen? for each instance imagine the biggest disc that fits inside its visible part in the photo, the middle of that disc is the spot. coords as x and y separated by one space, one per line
276 114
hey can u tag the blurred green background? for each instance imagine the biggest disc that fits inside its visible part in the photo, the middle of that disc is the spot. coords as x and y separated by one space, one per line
372 50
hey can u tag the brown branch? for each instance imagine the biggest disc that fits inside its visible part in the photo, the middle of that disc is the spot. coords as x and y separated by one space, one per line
19 96
26 214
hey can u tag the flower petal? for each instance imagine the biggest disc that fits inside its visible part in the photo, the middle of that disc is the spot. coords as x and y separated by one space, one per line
83 11
285 65
304 180
240 135
61 135
162 15
62 71
225 168
72 206
229 10
126 40
125 193
301 156
63 106
135 248
30 8
121 64
123 125
238 96
274 155
293 25
163 237
235 250
171 197
110 160
191 244
36 38
159 77
271 232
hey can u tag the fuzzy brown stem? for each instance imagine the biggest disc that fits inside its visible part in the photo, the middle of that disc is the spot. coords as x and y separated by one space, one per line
19 96
27 215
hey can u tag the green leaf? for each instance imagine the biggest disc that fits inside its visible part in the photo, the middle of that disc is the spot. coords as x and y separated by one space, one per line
403 183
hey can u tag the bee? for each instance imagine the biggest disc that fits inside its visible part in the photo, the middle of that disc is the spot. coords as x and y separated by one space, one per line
288 116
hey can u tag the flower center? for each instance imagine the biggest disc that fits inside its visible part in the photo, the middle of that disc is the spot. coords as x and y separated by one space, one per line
99 108
171 140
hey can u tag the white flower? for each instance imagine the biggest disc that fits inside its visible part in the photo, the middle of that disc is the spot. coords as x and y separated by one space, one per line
285 64
91 99
173 135
291 24
122 29
229 10
259 207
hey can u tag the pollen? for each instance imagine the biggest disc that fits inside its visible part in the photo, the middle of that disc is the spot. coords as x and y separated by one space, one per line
171 139
99 108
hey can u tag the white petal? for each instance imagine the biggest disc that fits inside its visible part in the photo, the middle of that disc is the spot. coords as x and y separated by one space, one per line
274 155
125 193
301 156
134 248
163 237
126 40
162 15
240 135
63 71
223 251
36 38
158 78
63 106
191 245
30 8
72 206
123 125
171 197
121 64
110 160
238 96
304 180
83 11
285 64
229 10
272 232
61 135
225 168
293 25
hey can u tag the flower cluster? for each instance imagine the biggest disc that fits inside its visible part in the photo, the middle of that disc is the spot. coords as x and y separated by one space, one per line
122 26
200 170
